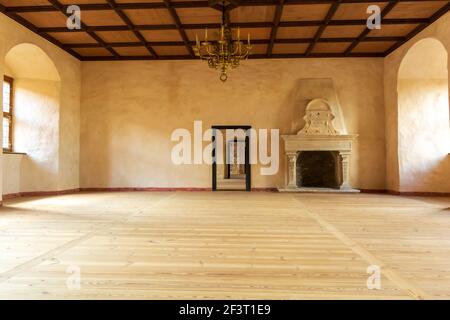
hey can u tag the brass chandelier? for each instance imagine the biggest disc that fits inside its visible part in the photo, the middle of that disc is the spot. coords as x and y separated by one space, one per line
224 53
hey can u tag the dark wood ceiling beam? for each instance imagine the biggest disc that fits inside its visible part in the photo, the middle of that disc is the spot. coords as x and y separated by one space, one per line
329 16
229 5
366 31
179 26
105 6
355 22
227 14
130 25
24 9
35 29
234 4
368 2
276 23
255 56
182 4
317 55
126 58
258 41
60 7
282 24
419 28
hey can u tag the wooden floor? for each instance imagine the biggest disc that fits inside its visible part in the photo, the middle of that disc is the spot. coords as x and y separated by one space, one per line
224 245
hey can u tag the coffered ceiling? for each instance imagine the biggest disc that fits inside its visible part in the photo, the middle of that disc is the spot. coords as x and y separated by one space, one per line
164 29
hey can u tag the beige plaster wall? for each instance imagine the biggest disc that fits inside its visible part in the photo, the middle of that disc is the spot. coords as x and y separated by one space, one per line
7 71
69 70
129 110
36 133
396 179
424 135
69 130
12 169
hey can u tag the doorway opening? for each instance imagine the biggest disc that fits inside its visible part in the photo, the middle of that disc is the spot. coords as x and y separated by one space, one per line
233 170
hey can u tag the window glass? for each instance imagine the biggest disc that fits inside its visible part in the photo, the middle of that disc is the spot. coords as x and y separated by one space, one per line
6 96
5 133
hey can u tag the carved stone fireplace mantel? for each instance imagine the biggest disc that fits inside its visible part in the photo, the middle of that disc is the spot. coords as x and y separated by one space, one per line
341 144
322 141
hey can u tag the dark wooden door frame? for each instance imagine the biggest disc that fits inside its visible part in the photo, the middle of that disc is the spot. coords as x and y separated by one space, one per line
248 173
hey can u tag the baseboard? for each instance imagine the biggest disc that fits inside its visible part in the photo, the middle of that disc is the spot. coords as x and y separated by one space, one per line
39 193
140 189
407 193
11 196
377 191
420 194
164 189
265 189
132 189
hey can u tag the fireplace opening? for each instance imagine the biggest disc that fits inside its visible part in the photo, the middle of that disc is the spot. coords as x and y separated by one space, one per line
318 169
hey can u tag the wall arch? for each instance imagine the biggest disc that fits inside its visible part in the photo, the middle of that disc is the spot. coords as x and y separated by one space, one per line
37 86
423 118
30 61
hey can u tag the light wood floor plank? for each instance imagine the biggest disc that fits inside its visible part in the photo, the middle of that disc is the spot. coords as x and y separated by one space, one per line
224 245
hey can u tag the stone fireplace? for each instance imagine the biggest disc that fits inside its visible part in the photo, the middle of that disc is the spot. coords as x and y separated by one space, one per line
318 156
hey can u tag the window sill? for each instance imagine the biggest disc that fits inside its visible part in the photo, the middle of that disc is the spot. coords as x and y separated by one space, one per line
12 152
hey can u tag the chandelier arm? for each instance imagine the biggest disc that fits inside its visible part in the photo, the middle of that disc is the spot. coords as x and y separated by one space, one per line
209 52
236 50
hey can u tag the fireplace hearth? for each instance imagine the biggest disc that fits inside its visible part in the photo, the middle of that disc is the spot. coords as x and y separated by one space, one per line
318 169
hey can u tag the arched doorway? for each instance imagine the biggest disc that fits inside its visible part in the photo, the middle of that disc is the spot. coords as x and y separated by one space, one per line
35 103
423 118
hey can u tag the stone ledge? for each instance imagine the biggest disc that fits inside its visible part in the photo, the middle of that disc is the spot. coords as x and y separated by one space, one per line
318 190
